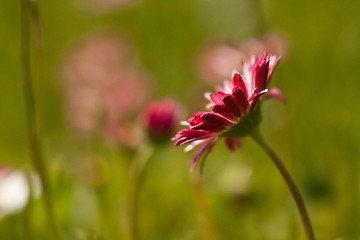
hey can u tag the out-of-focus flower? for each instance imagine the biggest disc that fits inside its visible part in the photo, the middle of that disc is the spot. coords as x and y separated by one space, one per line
126 133
274 42
123 99
15 190
160 119
234 109
104 88
126 94
218 60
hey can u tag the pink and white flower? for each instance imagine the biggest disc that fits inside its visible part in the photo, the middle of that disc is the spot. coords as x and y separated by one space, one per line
232 109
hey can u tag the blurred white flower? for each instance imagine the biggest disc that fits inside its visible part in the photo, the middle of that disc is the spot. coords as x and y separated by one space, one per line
15 190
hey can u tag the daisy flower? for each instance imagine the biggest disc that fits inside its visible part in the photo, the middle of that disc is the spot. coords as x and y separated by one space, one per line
235 113
235 110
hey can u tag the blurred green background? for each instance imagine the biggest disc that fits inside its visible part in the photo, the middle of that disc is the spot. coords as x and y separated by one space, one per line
317 132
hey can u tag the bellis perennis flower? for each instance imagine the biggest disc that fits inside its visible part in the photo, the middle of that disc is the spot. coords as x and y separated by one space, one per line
235 109
160 119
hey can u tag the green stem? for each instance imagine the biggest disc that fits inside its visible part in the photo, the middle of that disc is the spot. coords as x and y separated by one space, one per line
260 139
136 174
202 204
28 233
32 123
36 23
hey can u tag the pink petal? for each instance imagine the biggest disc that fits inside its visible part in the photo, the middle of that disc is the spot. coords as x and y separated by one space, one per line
215 118
205 150
194 121
189 133
221 95
223 111
231 105
256 98
210 126
215 98
272 64
184 141
198 114
260 74
241 99
232 143
238 81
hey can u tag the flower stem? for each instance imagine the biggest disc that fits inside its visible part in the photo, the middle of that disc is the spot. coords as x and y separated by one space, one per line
37 27
28 233
260 139
202 204
32 115
136 175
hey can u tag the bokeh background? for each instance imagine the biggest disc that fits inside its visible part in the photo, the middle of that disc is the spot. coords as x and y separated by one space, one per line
158 49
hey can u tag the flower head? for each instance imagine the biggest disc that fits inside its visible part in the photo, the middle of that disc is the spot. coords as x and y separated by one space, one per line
14 189
234 109
104 89
218 58
160 119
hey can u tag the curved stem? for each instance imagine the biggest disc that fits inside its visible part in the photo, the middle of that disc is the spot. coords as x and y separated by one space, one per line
32 118
260 139
136 175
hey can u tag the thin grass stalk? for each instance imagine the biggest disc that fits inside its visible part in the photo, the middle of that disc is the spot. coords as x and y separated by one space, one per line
206 219
135 178
35 147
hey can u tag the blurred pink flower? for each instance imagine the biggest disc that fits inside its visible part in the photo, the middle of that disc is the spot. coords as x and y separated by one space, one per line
232 109
103 86
160 119
125 133
218 60
126 94
274 42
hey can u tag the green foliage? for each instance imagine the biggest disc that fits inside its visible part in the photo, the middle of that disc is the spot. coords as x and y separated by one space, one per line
317 132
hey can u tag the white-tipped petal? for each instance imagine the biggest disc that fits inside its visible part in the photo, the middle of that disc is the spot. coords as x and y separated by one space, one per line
234 71
264 91
184 123
189 148
227 87
193 145
207 96
209 105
